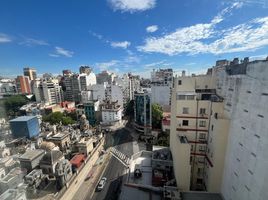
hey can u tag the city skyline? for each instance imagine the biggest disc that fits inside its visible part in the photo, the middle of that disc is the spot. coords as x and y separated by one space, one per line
122 36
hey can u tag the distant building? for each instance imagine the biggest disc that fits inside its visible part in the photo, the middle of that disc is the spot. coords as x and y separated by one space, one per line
30 72
25 126
23 85
134 85
30 159
142 112
105 76
7 86
161 84
85 70
111 113
91 110
48 91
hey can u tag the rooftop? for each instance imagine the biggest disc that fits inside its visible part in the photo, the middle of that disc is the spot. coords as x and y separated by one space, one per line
31 154
22 119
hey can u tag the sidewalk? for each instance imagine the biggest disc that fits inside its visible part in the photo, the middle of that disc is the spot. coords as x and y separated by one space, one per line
80 178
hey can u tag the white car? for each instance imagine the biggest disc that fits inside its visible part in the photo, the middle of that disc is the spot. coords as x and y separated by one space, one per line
101 183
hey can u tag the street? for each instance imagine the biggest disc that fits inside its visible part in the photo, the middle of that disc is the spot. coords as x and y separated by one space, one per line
122 141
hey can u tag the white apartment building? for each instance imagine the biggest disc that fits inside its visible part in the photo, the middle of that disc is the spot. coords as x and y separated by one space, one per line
161 94
111 113
244 87
124 83
48 91
196 129
161 84
86 80
103 92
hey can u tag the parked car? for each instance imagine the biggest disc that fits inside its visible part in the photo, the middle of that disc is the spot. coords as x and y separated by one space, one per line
101 183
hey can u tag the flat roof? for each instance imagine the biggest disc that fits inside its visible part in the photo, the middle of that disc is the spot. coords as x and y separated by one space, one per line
31 154
201 196
22 118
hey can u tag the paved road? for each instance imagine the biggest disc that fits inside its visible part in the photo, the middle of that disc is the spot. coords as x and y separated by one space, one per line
123 141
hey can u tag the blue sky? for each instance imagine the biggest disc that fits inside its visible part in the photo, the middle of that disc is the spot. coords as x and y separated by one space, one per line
129 35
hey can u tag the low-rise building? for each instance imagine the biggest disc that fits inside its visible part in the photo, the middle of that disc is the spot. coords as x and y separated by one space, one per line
49 162
12 179
85 146
62 140
14 194
31 159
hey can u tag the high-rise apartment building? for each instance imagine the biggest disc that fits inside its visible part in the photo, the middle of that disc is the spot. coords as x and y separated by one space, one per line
134 85
199 132
161 84
23 84
244 87
85 70
142 112
30 72
48 91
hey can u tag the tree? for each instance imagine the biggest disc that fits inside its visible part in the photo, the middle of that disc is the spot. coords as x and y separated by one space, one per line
13 103
57 117
157 115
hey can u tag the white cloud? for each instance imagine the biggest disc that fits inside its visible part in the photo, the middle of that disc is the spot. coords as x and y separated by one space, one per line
151 29
33 42
132 5
204 38
54 55
4 38
107 65
124 44
59 51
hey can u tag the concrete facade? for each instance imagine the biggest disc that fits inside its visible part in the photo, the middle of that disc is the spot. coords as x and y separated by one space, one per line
245 88
193 101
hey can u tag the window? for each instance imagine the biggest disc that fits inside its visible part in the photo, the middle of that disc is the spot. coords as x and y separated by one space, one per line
202 136
179 82
181 97
192 148
202 111
185 122
201 160
199 181
185 110
202 148
202 123
212 127
190 97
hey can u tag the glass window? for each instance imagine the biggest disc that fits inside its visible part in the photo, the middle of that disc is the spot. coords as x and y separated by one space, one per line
190 97
185 122
185 110
202 123
181 97
179 82
202 111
